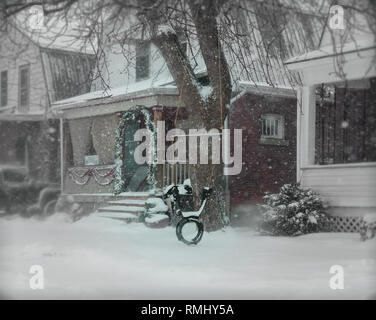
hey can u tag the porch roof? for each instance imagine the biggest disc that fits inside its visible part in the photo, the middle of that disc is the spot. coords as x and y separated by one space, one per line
32 116
304 60
353 60
118 99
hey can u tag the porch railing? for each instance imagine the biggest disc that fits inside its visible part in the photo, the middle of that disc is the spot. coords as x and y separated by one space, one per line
175 173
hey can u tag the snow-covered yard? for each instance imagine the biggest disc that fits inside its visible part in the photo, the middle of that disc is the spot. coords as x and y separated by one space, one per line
104 258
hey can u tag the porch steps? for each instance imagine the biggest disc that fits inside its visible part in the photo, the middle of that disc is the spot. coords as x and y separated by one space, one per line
127 217
157 221
128 202
133 196
127 207
121 208
121 211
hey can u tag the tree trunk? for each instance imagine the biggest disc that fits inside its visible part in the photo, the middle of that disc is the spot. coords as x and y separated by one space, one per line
210 175
209 113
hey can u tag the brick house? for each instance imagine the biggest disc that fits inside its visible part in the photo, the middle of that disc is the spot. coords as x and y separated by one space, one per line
268 121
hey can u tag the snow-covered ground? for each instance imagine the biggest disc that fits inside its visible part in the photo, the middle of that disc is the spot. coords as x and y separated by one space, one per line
104 258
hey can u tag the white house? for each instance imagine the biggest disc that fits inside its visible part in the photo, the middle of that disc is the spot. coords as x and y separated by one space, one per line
336 120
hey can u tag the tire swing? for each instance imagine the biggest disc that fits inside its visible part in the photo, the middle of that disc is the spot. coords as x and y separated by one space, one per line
190 229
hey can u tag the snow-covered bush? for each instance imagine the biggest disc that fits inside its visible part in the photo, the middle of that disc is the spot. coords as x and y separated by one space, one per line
293 211
368 227
155 206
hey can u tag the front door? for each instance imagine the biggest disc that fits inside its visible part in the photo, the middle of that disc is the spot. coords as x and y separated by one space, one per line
130 165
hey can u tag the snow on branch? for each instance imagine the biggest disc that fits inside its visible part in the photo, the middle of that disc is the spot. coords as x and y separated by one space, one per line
165 29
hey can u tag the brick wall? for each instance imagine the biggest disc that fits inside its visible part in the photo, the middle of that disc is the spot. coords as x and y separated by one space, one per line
265 167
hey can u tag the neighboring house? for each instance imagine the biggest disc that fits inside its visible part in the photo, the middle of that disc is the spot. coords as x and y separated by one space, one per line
267 116
336 152
34 73
266 107
99 126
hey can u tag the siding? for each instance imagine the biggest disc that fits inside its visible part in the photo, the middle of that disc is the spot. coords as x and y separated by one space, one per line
18 50
343 185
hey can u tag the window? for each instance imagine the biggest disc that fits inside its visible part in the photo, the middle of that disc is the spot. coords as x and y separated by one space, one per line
272 126
24 89
4 88
345 122
142 60
204 80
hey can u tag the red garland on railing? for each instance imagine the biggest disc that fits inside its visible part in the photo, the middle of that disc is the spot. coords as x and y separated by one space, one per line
83 179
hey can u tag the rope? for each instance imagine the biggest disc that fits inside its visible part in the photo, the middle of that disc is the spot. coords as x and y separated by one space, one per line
220 80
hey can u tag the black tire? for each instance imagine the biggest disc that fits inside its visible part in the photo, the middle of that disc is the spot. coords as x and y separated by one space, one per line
199 233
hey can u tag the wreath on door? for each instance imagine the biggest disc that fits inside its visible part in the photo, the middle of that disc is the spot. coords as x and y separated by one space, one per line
126 116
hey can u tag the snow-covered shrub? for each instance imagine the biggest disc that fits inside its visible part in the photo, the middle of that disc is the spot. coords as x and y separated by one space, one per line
293 211
156 214
155 206
368 227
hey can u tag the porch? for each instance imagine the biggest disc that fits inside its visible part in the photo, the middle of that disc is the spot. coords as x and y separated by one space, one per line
336 131
98 150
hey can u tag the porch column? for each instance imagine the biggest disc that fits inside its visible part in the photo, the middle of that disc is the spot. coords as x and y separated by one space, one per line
62 152
306 123
159 172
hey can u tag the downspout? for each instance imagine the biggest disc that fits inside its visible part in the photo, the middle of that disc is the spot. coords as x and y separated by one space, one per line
61 125
227 152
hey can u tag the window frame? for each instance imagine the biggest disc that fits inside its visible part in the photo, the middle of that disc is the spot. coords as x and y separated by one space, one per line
139 54
2 99
24 108
279 134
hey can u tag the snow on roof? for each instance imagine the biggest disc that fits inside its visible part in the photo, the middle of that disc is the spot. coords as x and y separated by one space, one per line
244 84
145 87
53 34
149 87
22 116
13 114
331 50
261 88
